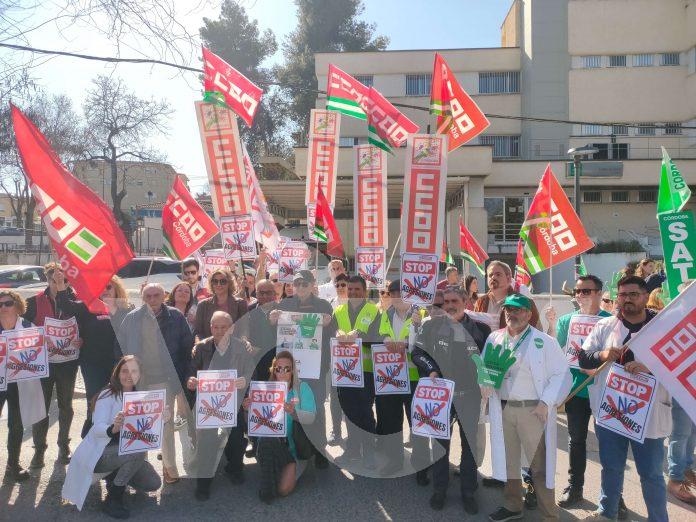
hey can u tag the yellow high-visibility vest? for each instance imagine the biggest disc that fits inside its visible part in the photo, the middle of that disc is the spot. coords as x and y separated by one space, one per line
367 314
386 329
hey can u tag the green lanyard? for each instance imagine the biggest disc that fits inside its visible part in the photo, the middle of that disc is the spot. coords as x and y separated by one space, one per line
519 341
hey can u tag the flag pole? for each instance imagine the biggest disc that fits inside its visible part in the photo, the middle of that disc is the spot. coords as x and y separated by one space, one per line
398 241
586 381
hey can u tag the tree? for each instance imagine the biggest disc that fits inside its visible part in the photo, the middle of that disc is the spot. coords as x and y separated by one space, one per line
55 117
322 26
119 125
237 40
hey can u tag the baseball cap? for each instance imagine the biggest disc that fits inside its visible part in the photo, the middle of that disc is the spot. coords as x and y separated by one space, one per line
303 275
518 301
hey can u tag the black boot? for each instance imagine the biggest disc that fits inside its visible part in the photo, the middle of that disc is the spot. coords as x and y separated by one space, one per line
15 473
37 461
113 505
64 453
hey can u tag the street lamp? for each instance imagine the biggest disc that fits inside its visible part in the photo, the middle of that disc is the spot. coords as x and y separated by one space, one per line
577 153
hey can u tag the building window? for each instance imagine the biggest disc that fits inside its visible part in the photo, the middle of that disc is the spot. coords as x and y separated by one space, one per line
619 151
499 82
673 129
368 80
505 217
418 84
642 60
591 130
602 151
669 59
617 61
646 129
592 62
647 196
503 146
619 130
619 196
347 141
592 196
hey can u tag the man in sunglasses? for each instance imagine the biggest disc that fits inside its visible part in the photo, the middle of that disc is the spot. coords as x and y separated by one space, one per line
587 293
607 342
190 272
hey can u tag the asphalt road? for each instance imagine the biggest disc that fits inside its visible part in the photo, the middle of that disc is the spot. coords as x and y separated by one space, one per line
321 494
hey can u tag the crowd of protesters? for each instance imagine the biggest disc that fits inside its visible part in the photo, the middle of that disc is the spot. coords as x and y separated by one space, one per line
228 320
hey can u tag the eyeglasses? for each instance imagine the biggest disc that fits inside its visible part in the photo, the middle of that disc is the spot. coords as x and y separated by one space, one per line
607 301
384 292
190 272
8 304
584 291
340 285
219 282
629 295
274 280
283 369
302 284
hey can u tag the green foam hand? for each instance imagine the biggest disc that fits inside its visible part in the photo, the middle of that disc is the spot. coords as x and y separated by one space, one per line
308 324
494 365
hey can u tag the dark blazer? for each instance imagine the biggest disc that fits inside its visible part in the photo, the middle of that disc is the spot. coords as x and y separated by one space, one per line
206 357
235 307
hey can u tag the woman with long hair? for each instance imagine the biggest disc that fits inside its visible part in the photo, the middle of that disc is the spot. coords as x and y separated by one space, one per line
645 268
98 452
221 284
278 458
471 287
182 298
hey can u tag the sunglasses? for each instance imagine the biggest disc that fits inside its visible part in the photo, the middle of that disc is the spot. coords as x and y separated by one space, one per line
340 285
219 282
608 301
302 284
190 272
584 291
274 280
8 304
384 292
282 369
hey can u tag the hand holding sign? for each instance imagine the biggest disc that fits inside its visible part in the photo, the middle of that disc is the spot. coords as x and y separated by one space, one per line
493 367
118 422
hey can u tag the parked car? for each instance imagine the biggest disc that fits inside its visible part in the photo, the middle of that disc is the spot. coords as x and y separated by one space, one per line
15 276
139 266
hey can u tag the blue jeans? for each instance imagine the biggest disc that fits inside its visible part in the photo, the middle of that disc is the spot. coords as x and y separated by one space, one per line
680 453
649 456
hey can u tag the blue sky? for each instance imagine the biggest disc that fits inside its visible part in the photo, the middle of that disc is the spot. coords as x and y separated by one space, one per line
410 24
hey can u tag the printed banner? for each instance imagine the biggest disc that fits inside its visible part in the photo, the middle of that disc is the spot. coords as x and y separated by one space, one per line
579 329
300 334
293 257
370 265
370 197
679 246
237 234
224 160
423 214
668 347
266 411
346 364
142 423
312 222
216 399
27 357
213 260
390 371
418 278
60 339
273 260
626 402
3 363
265 229
430 409
322 155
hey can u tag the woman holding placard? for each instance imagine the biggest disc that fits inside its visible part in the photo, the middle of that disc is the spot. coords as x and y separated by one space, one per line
281 466
99 451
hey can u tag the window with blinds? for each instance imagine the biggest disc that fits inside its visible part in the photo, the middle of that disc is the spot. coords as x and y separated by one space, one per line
642 60
368 80
619 130
418 84
646 129
669 59
591 129
673 129
592 62
499 82
617 61
503 146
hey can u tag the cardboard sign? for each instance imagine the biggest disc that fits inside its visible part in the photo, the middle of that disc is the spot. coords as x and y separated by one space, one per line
213 260
273 260
679 245
293 257
300 334
370 265
579 329
346 364
60 339
142 423
390 371
430 409
322 154
418 278
3 363
237 234
27 357
266 413
423 214
370 196
626 402
216 399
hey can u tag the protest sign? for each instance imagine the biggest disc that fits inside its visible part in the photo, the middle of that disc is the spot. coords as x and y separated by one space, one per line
322 154
579 329
61 336
679 246
293 257
370 197
370 265
390 371
300 334
3 363
626 402
266 412
237 234
273 260
312 221
346 364
142 422
430 409
216 399
214 260
418 278
27 357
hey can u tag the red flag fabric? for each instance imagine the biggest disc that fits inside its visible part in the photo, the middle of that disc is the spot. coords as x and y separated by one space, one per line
225 84
522 276
387 126
325 227
185 225
457 114
470 248
90 246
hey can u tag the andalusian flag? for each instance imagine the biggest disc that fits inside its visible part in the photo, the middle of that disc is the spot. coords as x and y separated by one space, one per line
445 256
343 93
674 193
522 275
470 249
582 269
325 226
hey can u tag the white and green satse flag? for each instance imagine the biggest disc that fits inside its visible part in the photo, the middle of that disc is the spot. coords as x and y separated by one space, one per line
674 193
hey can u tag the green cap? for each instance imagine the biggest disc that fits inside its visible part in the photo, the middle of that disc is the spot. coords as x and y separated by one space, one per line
518 301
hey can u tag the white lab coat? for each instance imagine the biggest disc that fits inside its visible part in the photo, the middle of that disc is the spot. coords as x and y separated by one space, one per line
78 479
552 382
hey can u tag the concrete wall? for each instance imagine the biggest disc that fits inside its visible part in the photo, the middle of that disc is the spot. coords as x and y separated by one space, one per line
510 33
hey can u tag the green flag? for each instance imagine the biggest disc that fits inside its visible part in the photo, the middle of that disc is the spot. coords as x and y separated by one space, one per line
679 246
582 269
674 192
612 286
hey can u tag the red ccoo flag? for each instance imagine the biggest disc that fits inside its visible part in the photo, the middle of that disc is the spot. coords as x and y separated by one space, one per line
522 276
471 250
185 225
90 246
325 226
